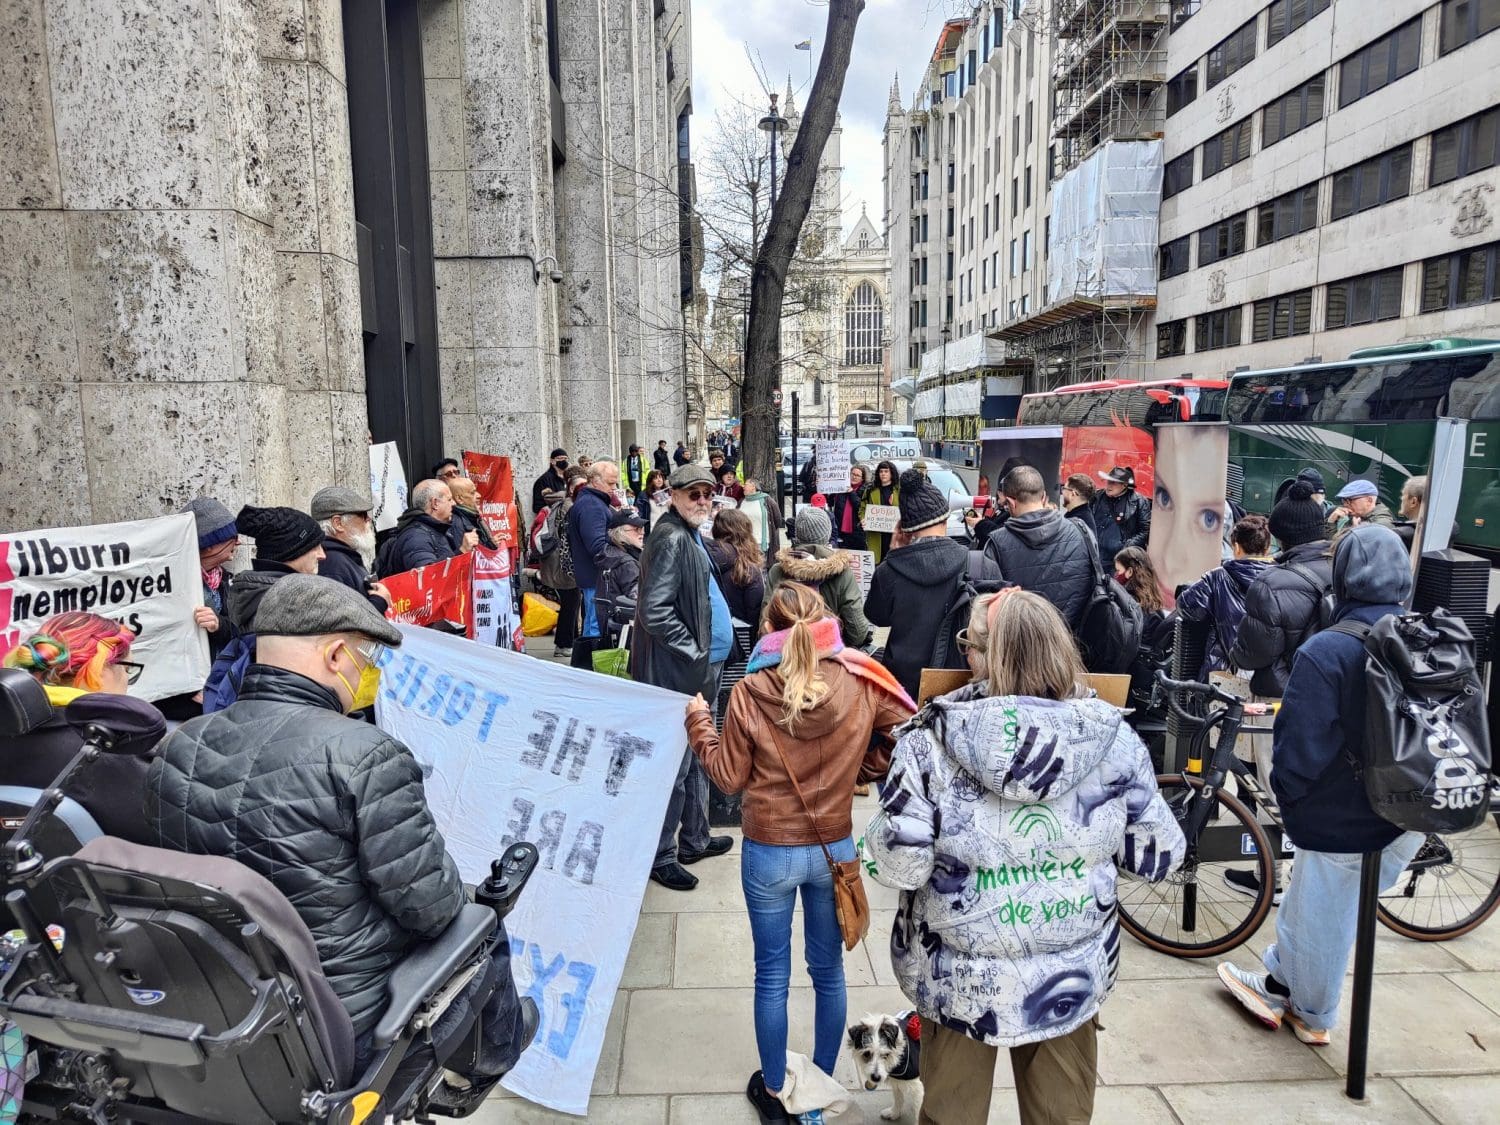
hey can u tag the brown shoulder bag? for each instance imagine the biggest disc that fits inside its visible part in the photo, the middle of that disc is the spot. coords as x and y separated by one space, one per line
849 901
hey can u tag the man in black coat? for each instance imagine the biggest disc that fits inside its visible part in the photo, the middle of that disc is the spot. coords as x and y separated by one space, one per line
1122 517
329 809
1040 550
661 460
550 481
423 534
348 542
682 637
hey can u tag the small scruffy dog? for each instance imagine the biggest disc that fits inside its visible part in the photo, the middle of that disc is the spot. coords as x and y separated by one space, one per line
890 1048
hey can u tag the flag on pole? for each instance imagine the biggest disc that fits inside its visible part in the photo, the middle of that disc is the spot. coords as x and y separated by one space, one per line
805 45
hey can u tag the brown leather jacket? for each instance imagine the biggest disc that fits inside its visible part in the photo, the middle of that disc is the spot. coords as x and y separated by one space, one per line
844 738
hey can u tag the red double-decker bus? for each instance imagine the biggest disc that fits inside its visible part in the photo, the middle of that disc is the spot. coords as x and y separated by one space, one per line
1110 422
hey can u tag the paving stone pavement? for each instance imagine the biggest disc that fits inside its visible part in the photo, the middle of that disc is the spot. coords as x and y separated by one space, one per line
1175 1050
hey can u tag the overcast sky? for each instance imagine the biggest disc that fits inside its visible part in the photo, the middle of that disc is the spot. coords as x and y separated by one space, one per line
893 35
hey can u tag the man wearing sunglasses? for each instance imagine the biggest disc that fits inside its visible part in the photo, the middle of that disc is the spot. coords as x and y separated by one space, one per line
683 636
329 809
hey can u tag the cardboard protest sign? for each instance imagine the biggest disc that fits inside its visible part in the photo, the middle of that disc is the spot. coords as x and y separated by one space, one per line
495 619
581 765
1190 512
862 563
833 466
387 485
143 574
881 517
438 592
497 496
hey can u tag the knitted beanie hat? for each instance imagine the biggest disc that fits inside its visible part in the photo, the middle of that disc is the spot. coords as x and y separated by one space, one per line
280 534
1298 518
812 526
922 505
215 524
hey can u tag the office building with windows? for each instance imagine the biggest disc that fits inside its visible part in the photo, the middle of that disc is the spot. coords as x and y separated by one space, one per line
1330 179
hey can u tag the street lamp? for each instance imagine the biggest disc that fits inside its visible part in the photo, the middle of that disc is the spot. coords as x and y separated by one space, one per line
774 124
947 334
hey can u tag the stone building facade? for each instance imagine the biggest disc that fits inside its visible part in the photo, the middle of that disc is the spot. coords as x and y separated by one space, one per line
1331 179
192 260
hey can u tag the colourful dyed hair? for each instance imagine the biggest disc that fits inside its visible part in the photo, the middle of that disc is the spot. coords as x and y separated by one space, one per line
72 649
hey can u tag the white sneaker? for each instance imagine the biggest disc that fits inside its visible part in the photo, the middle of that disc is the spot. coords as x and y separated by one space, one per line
1251 991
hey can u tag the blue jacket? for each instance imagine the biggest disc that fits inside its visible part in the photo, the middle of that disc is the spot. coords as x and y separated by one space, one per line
588 535
1219 597
1321 723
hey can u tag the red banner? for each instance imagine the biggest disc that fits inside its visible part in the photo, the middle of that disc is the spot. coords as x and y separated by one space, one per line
435 594
492 478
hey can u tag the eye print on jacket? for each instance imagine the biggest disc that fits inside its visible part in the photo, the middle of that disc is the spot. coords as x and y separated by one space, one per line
1057 999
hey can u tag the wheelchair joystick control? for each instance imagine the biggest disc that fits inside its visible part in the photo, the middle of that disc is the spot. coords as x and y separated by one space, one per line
508 875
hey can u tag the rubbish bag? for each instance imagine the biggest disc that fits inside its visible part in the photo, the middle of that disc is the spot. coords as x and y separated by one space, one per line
538 615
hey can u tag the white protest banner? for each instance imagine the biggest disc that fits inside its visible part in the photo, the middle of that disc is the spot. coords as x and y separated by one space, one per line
863 565
495 619
387 485
881 517
581 765
144 574
833 466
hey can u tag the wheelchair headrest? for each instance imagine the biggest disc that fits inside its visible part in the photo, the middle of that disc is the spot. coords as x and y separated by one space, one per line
23 703
135 725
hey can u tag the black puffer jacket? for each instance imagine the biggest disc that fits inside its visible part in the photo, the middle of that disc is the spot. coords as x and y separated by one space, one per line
420 540
1048 555
674 626
1120 522
1281 611
329 809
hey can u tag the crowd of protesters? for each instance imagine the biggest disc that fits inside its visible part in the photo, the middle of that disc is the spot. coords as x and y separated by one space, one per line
677 562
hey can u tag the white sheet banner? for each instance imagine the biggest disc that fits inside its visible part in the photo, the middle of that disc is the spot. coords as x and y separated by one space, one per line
387 485
515 748
144 574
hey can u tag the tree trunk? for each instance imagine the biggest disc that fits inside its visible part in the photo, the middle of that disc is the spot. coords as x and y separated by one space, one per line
768 279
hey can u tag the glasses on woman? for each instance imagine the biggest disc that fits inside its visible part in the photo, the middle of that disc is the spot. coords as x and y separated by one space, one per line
965 642
132 670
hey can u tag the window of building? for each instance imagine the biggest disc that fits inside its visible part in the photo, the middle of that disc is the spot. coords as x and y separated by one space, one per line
1286 16
1469 277
1171 338
1182 90
1176 257
1365 299
950 223
951 174
1026 250
1030 121
1177 175
1226 148
1046 236
1294 110
1215 330
1286 215
1014 258
986 227
1369 184
1015 197
1026 189
1222 240
1390 57
1464 21
1230 54
1184 10
1464 147
985 39
1281 317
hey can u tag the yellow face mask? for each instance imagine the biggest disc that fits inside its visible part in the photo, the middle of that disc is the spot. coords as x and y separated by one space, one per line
363 695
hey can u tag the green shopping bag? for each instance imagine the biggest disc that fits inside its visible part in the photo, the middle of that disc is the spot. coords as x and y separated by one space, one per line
612 662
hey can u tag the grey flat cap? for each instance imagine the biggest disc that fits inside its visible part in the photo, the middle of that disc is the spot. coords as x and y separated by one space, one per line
336 500
304 605
689 475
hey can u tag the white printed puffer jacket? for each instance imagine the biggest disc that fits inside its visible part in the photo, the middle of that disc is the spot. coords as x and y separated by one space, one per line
1004 821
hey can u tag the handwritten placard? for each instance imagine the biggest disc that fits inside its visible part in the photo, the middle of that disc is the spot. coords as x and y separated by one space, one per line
882 517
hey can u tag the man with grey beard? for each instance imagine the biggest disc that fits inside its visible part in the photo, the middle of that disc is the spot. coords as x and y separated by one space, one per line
348 542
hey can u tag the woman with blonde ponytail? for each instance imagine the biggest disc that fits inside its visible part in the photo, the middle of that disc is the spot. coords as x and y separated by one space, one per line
809 720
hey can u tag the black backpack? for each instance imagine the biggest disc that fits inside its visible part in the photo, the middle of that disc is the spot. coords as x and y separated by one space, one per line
1427 759
971 584
1109 631
1322 617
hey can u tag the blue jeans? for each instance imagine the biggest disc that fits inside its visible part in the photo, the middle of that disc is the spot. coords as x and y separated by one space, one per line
1316 921
590 613
771 876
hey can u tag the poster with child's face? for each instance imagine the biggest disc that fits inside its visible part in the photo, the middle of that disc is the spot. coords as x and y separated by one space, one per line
1188 502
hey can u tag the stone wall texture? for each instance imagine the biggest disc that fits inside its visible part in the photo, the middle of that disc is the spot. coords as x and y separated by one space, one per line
177 257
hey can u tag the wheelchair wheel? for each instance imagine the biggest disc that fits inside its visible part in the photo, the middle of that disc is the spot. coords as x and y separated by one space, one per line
1193 912
1450 887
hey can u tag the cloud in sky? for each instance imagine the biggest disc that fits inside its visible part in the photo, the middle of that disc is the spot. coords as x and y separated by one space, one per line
893 35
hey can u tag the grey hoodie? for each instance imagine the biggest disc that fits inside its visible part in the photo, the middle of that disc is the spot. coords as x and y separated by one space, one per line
1003 821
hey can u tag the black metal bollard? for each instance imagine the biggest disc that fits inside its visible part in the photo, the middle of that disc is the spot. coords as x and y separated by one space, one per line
1364 974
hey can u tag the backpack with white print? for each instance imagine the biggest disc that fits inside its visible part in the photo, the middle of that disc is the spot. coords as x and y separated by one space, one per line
1426 764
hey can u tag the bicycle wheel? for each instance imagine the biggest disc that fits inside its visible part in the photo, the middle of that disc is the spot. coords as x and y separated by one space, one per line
1193 912
1451 885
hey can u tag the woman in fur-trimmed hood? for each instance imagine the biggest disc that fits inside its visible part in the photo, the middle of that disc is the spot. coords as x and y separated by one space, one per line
811 561
1009 807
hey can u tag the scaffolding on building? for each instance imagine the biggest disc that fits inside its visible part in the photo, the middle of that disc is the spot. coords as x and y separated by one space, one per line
1110 60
